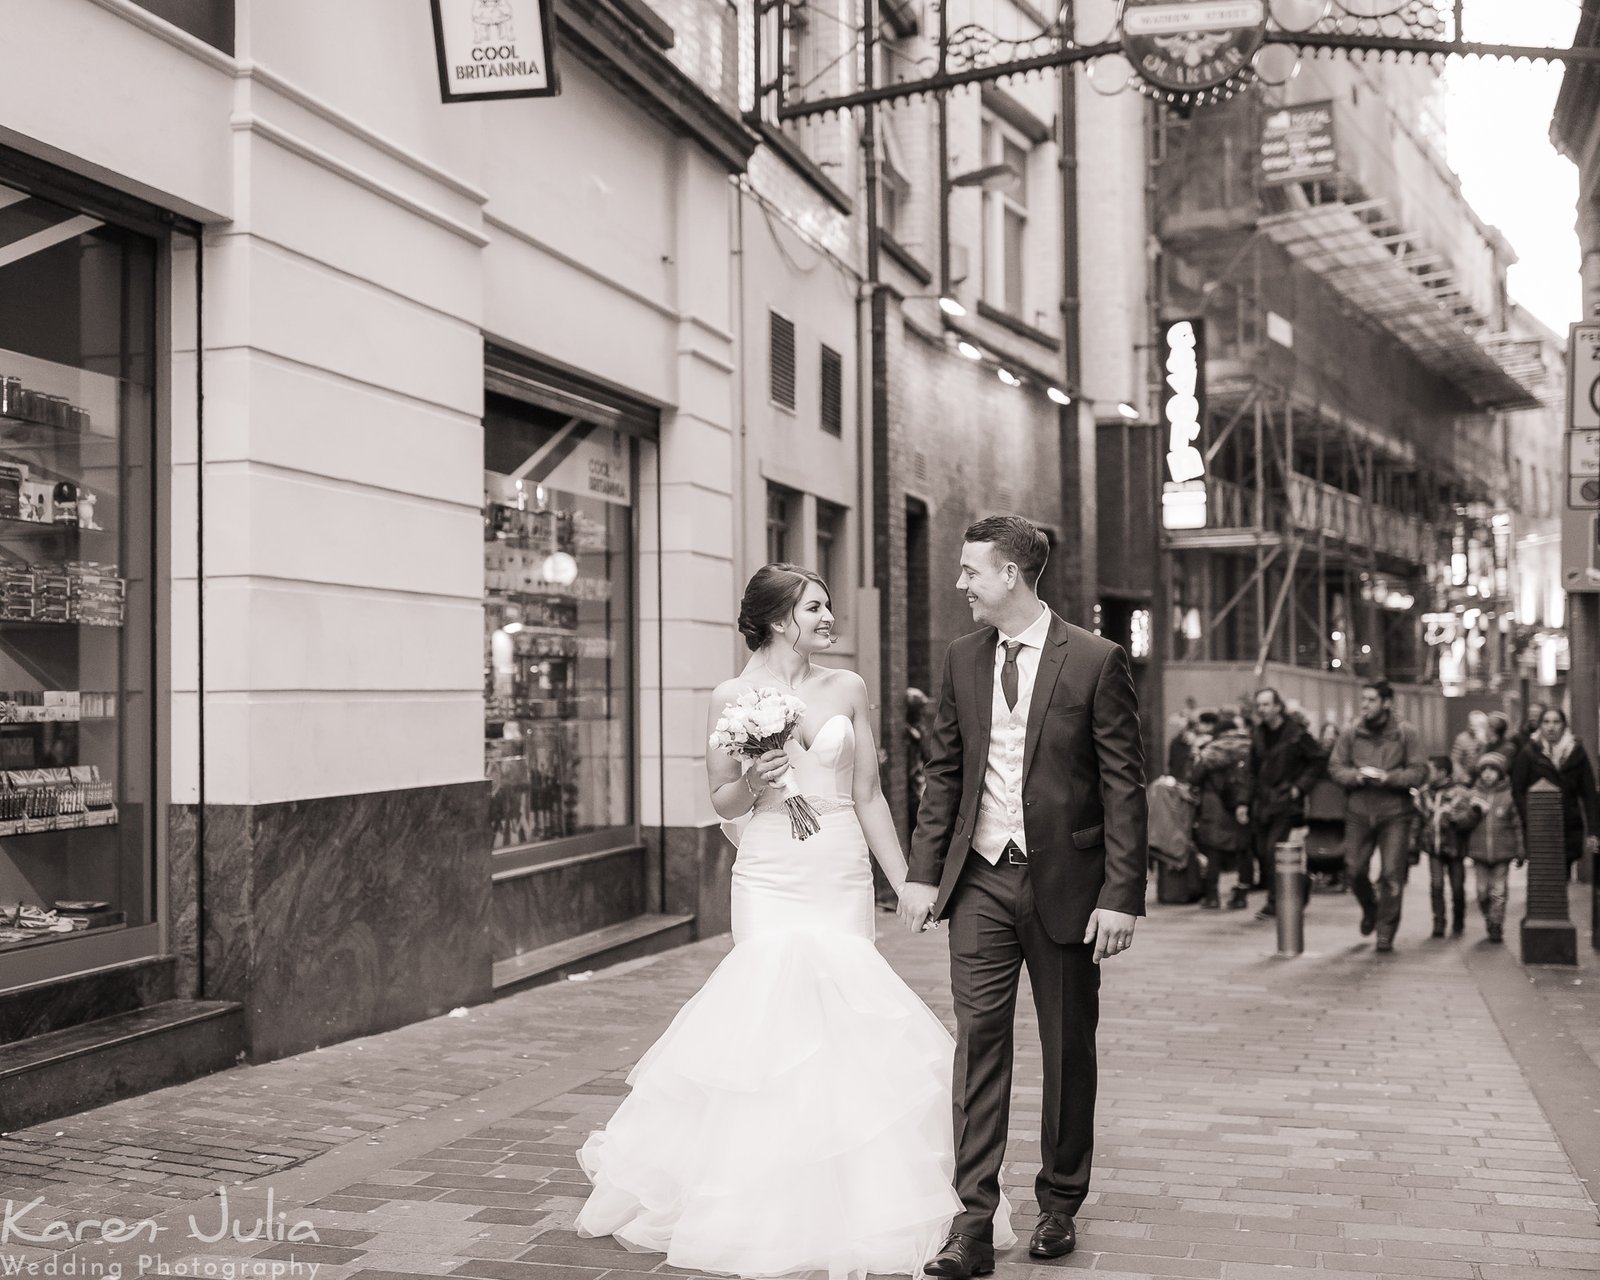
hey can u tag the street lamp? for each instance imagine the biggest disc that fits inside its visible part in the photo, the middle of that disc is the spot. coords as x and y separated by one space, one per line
1058 395
951 307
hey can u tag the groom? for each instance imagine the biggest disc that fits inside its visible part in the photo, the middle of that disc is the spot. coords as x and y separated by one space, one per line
1031 842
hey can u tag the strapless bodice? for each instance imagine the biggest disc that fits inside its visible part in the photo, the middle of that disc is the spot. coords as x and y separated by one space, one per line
824 770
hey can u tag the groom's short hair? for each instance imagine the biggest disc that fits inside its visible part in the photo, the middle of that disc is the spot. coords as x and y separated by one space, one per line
1016 540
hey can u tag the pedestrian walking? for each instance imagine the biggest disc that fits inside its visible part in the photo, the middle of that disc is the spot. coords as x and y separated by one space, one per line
1442 815
804 1064
1043 866
1285 763
1469 744
1556 756
1221 780
1378 761
1494 839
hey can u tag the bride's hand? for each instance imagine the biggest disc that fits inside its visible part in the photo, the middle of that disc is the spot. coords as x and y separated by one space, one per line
770 767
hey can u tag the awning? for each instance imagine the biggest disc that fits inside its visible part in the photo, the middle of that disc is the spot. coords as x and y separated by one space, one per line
1372 262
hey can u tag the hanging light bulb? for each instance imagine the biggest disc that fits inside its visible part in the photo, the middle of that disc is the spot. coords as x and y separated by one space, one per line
1110 74
1277 64
1009 378
1058 395
1297 15
967 349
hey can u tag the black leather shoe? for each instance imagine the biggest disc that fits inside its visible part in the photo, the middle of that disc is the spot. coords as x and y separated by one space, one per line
1369 921
961 1256
1055 1237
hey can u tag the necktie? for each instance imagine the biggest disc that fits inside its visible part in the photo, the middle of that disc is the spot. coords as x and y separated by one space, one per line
1008 674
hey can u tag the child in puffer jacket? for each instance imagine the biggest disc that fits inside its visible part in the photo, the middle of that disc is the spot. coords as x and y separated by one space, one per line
1443 805
1494 840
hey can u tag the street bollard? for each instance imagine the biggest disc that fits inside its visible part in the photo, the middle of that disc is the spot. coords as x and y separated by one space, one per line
1289 868
1548 934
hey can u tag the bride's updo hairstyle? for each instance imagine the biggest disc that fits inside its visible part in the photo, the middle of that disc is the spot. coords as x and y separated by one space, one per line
772 595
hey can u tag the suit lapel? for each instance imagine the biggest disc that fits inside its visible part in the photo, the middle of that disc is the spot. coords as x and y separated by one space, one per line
983 674
1051 659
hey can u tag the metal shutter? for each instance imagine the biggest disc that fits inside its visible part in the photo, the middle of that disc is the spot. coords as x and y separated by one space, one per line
782 360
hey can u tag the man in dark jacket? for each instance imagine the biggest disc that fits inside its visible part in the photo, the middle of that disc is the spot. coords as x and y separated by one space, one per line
1285 762
1378 761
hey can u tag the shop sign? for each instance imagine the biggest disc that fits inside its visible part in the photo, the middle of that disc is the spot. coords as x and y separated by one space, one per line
1192 47
587 461
1182 345
1297 144
495 49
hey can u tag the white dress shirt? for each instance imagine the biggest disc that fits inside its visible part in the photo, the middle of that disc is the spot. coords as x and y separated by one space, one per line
1000 809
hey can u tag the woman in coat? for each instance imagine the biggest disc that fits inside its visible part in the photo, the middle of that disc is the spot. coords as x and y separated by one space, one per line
1555 756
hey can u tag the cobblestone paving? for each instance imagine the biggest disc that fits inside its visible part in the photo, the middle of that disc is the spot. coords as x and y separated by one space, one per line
1341 1115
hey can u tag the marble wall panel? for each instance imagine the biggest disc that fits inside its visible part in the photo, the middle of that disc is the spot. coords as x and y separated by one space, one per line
698 869
368 912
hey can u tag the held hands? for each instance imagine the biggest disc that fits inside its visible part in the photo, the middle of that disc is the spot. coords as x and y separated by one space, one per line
916 904
1111 932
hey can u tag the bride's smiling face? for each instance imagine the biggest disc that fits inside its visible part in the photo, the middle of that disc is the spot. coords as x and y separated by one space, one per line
810 627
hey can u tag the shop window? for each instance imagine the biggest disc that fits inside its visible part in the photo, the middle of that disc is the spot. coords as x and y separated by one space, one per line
832 391
1005 217
558 619
782 359
211 20
783 514
78 359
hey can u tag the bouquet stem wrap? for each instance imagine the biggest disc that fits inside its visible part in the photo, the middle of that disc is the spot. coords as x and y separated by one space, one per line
803 820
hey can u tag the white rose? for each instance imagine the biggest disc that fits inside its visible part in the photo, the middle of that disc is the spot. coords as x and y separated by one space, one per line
746 699
722 725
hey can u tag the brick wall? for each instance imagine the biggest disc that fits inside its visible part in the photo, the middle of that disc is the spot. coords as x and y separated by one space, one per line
969 446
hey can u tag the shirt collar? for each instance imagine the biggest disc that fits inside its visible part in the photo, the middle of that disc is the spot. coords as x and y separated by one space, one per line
1034 636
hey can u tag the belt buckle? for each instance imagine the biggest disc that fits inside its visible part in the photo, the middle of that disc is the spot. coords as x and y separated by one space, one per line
1014 855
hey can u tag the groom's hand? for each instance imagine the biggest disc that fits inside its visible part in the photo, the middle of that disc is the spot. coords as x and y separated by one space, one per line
1110 931
916 905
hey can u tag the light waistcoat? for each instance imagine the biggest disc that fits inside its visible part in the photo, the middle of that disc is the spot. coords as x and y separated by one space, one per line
1000 809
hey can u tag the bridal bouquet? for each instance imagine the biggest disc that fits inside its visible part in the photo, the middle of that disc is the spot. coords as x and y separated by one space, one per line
762 720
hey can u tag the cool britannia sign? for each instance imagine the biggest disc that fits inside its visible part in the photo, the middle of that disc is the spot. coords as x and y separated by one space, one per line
1192 48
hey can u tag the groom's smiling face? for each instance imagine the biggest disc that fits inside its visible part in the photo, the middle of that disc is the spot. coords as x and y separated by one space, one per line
986 580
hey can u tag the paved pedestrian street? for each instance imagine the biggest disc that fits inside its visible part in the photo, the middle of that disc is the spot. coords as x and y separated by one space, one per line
1340 1114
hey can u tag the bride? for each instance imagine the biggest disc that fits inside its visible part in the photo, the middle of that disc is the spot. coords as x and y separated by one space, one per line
795 1117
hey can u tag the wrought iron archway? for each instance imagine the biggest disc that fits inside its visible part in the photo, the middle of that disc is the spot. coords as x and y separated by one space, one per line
1418 30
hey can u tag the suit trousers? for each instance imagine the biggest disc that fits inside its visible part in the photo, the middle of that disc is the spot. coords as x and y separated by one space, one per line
994 930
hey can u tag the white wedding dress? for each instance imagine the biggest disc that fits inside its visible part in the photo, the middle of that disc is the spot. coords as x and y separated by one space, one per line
795 1117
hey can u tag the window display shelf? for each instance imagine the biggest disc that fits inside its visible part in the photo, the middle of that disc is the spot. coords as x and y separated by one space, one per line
61 822
59 622
17 527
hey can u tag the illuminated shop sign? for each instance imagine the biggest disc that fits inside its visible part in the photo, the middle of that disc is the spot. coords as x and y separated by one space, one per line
495 49
1182 345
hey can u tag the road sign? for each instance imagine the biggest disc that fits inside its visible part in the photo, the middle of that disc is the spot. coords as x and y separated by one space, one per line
1583 469
1583 377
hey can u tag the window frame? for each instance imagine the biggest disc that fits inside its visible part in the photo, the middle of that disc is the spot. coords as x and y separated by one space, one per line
998 209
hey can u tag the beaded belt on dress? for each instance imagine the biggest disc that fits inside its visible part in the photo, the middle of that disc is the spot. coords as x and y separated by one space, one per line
819 803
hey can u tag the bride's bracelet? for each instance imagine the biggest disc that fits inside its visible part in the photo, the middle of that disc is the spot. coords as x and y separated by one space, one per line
749 785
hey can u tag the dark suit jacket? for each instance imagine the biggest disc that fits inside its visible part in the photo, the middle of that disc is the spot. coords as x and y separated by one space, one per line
1084 811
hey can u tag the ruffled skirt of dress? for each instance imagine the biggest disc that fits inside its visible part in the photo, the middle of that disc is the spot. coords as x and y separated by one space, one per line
794 1119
